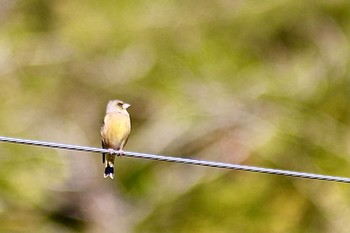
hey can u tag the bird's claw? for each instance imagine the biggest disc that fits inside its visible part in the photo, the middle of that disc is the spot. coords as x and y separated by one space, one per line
120 153
115 152
111 151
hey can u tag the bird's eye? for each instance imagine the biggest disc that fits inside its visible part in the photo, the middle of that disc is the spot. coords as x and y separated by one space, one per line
120 104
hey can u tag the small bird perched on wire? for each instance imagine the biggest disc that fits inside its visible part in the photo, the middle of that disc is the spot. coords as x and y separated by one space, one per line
114 132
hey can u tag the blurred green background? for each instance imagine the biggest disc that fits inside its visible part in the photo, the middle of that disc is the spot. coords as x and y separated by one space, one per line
263 83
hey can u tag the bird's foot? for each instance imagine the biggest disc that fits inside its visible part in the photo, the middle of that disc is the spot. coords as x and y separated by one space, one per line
112 152
120 153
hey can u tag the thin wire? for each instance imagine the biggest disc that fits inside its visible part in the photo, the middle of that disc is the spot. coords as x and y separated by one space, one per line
181 160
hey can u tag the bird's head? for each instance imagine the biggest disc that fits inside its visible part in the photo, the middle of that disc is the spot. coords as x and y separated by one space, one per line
117 106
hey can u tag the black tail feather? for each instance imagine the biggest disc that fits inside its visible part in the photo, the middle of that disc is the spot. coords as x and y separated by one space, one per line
109 171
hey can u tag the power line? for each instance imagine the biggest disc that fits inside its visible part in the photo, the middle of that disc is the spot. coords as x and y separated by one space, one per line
181 160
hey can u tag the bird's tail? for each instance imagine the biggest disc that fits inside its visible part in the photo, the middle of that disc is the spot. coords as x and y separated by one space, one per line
109 170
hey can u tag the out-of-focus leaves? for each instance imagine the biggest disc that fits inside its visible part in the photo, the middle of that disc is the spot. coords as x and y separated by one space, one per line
259 83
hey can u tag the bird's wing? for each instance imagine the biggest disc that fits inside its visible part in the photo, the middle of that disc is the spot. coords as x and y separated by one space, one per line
104 144
103 154
126 140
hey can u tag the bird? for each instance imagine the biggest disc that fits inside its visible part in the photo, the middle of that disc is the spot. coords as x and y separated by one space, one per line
115 132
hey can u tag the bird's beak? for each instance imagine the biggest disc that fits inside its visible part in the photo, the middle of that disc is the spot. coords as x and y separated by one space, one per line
125 105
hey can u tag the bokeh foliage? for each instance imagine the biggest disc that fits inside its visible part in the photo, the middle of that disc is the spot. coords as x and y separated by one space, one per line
264 83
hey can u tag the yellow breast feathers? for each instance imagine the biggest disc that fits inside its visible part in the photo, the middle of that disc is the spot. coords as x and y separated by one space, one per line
116 130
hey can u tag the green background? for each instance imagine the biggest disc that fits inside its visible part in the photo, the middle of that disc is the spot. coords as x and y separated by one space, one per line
262 83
